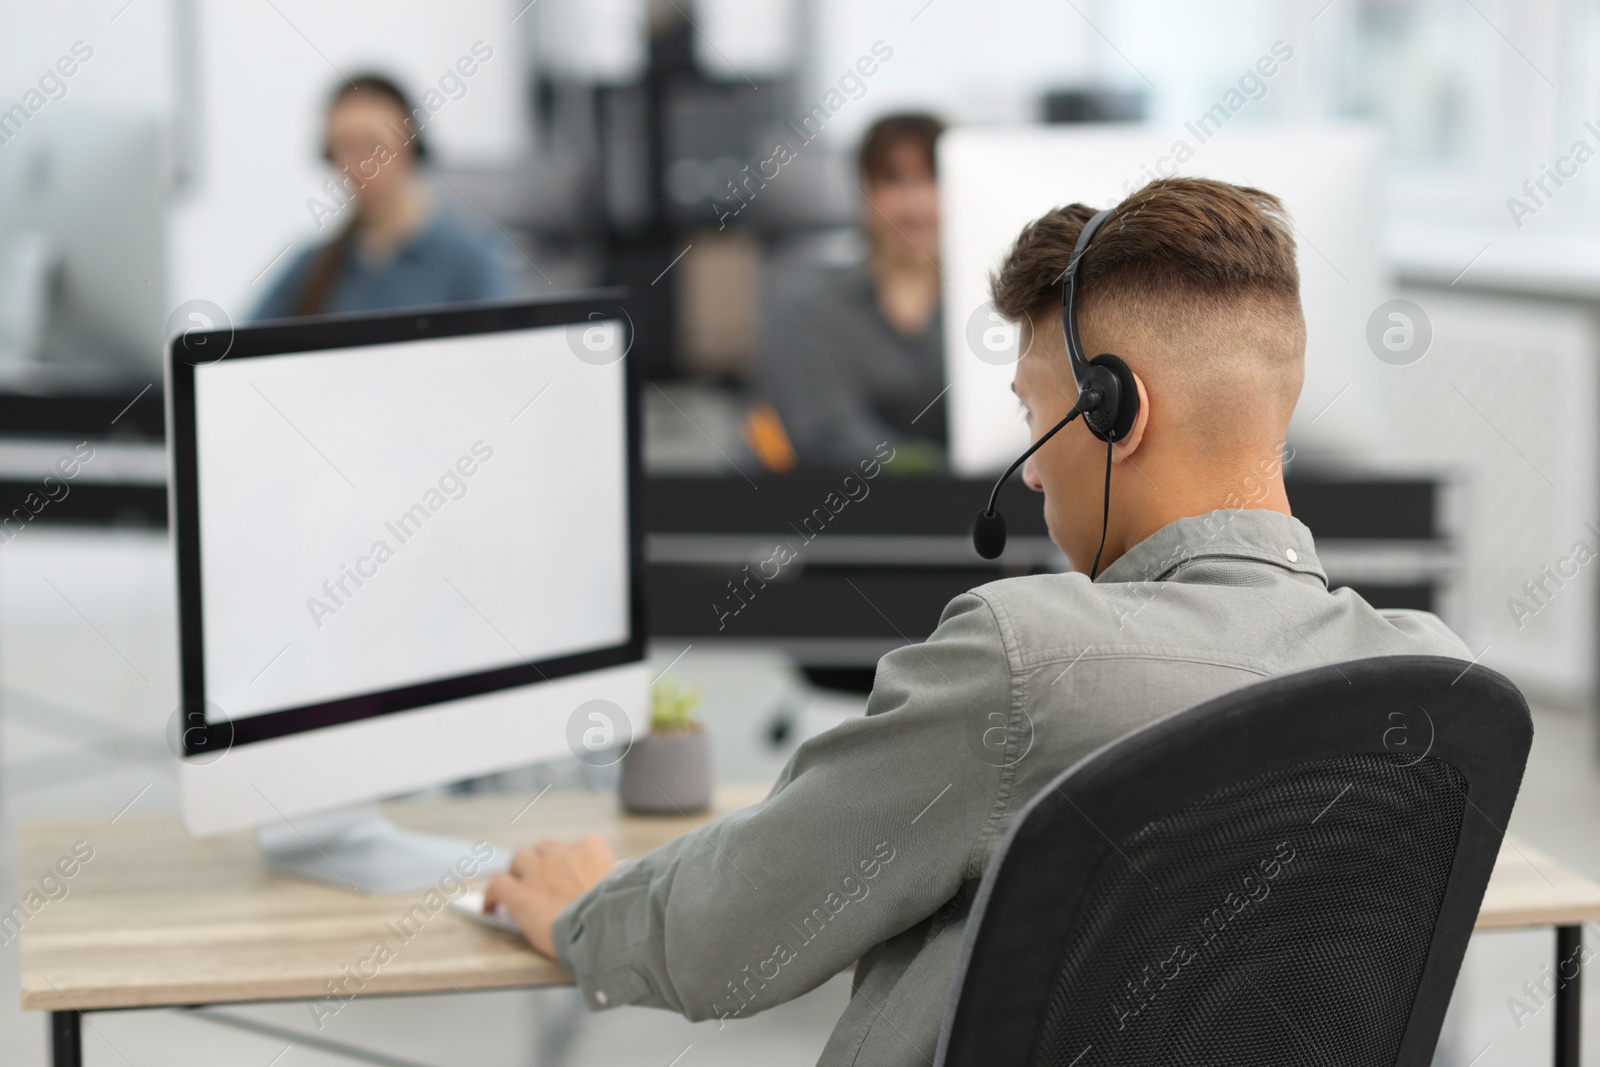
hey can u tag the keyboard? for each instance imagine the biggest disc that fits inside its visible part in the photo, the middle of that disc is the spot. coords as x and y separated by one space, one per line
470 905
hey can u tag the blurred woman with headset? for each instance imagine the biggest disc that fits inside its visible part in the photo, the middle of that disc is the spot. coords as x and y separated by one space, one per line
396 250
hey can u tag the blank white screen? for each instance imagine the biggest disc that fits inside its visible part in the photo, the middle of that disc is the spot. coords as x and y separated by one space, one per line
307 463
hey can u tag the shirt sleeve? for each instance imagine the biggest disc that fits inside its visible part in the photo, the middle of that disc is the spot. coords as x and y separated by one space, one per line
872 826
284 296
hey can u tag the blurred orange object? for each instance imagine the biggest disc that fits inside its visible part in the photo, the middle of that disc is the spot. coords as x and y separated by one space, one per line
764 433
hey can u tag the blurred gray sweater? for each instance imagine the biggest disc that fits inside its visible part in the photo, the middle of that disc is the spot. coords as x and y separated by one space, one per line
841 376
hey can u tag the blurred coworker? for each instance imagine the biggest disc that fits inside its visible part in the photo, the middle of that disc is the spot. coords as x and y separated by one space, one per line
852 356
395 250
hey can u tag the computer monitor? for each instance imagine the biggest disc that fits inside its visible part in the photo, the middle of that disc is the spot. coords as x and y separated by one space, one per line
408 552
992 182
83 250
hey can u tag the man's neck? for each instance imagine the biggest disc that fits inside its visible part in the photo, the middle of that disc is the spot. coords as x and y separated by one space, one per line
1252 488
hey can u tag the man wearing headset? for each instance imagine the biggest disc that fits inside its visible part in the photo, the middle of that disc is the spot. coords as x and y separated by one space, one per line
870 848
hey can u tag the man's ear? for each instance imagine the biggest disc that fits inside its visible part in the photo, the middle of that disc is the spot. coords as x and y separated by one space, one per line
1130 444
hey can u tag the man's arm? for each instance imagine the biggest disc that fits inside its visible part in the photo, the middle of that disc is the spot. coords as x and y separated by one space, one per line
871 828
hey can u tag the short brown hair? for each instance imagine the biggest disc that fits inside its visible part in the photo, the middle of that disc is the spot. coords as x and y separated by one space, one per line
1189 240
889 132
1198 276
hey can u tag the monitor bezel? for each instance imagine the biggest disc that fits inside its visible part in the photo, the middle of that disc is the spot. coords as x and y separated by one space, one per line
199 736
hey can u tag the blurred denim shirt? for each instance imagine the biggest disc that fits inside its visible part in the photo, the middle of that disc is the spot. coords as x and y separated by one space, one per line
445 262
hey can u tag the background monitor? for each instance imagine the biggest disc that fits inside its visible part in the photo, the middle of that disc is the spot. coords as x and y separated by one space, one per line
83 249
992 182
408 552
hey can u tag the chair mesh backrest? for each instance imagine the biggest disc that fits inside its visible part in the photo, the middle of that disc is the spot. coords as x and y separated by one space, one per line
1283 920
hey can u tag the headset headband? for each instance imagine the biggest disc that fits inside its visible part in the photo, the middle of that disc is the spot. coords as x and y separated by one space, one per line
1069 300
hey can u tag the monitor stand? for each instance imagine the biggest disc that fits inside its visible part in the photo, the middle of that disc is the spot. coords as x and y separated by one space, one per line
359 848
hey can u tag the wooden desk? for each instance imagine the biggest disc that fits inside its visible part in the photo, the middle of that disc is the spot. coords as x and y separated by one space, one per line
1528 888
160 919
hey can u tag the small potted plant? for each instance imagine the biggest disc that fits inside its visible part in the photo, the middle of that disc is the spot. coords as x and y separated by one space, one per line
669 772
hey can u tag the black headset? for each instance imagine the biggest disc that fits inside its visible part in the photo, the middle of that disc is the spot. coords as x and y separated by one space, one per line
1108 400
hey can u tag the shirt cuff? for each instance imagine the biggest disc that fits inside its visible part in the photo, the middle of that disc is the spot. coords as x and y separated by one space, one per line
609 988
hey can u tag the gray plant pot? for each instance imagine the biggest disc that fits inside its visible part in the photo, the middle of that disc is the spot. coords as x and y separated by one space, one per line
667 774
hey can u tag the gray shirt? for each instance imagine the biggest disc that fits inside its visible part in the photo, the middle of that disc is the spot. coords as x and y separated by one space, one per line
871 845
842 377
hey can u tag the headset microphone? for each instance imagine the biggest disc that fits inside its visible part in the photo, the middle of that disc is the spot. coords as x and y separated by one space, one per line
989 528
1108 400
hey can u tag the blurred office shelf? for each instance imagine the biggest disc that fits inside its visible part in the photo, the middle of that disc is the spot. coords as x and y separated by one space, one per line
131 411
123 483
877 574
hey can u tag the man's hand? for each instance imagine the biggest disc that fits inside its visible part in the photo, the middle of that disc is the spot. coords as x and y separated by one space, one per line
543 880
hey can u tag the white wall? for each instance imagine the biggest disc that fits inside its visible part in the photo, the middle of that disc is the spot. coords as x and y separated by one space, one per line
966 61
129 69
992 61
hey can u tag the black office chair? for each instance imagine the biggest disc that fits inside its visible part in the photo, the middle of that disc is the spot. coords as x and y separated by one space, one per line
1286 874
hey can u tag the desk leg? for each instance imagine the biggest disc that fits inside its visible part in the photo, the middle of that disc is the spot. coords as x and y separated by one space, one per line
1569 995
66 1039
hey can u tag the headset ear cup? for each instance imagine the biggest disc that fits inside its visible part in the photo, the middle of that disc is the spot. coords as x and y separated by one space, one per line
1118 423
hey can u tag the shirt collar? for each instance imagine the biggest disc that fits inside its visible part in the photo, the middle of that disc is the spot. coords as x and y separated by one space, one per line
1231 533
414 247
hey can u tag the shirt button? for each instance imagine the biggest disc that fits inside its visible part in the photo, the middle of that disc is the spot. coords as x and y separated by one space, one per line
1291 555
600 997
